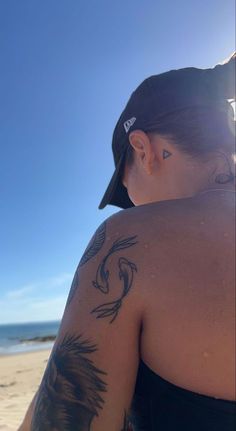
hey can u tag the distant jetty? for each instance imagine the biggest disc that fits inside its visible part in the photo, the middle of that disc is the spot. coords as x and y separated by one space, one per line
43 339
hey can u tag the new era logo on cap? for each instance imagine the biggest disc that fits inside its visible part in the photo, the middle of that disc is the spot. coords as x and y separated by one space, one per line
129 123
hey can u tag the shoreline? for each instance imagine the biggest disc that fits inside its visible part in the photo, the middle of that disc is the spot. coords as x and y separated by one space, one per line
27 337
26 352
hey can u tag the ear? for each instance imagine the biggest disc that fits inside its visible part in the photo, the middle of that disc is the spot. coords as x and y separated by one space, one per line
143 149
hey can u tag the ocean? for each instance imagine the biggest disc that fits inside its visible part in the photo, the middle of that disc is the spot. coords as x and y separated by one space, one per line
27 337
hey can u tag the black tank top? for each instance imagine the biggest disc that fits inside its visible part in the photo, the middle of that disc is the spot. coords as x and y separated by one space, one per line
159 405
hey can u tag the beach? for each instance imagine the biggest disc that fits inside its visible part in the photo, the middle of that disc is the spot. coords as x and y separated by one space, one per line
20 376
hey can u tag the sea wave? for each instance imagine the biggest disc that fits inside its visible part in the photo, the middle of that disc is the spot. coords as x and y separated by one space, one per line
25 347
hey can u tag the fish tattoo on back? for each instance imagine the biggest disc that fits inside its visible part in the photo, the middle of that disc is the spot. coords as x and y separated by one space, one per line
126 275
126 271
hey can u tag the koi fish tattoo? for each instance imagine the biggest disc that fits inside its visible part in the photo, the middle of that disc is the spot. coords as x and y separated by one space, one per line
126 275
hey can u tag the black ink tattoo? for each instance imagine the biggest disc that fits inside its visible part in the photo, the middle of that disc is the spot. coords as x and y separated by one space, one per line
126 274
166 154
91 251
102 275
224 178
70 393
74 286
95 247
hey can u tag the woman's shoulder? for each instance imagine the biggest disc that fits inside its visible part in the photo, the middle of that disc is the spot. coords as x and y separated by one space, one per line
158 217
172 228
176 213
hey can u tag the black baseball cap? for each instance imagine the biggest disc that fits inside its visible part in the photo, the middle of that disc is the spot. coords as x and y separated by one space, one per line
158 96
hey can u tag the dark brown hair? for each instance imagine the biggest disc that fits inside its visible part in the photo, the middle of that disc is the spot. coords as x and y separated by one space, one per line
197 131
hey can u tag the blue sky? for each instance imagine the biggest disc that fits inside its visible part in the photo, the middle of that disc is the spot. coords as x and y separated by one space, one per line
67 70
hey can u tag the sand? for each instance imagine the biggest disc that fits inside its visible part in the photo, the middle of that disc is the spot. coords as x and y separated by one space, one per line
20 376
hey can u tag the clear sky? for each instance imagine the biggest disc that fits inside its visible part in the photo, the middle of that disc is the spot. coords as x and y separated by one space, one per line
67 68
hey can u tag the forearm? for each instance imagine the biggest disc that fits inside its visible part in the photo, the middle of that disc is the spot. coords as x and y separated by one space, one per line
26 424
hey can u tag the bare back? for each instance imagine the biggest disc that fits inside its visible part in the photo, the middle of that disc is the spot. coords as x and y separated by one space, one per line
188 278
176 311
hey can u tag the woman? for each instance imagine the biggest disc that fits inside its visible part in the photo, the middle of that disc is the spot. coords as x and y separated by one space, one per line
147 337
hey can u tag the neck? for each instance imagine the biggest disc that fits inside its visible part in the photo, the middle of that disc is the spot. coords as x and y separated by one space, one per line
220 187
229 185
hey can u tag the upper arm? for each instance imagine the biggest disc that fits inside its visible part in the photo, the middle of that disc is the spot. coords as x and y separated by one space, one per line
90 378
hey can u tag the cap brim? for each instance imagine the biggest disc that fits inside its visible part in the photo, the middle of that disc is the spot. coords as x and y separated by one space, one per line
116 194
